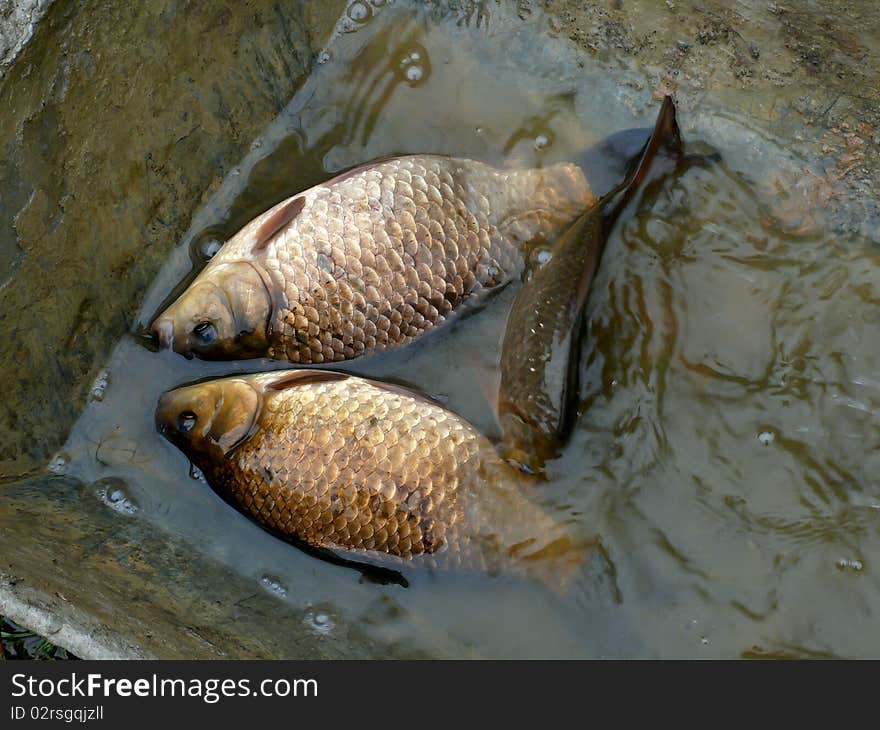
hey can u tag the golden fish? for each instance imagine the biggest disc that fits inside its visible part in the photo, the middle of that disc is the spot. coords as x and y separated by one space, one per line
541 351
366 469
370 259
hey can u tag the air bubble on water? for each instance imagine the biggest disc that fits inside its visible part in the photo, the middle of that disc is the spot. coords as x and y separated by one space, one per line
479 130
543 256
414 66
324 56
541 141
209 248
359 12
114 492
704 640
234 172
58 465
319 620
99 386
273 585
850 564
196 473
766 437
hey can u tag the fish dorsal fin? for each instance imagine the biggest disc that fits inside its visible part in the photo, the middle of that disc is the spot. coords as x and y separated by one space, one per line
270 227
305 377
357 170
405 391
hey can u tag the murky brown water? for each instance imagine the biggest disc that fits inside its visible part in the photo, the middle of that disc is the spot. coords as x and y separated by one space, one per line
723 454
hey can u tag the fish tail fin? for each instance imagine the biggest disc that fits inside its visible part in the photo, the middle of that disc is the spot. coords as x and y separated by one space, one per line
665 138
580 571
554 563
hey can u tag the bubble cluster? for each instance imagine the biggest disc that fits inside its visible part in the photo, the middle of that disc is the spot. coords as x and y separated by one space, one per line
850 564
273 585
414 66
99 386
115 493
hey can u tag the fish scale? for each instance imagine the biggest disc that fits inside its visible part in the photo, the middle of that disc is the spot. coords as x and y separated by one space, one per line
385 478
377 256
371 470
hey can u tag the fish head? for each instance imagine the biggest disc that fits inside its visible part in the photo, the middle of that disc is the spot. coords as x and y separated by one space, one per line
208 420
223 315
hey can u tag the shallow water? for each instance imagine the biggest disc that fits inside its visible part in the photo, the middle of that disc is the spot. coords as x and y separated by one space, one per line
721 457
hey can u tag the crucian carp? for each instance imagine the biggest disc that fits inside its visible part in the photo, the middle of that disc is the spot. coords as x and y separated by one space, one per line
372 471
370 259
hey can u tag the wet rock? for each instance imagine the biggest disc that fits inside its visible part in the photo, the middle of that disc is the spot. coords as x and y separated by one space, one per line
18 18
117 118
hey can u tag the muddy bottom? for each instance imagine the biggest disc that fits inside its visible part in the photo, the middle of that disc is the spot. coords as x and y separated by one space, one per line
722 457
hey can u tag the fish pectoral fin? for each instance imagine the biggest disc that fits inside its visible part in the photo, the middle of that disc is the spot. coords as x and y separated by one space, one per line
529 227
296 378
372 566
277 220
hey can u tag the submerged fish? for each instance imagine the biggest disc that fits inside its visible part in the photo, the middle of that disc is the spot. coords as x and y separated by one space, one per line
541 349
370 259
370 470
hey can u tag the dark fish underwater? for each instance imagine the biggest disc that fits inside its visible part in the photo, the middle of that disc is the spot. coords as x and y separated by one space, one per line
541 350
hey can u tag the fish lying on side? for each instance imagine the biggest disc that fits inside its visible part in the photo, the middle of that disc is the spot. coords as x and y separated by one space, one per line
542 342
372 471
370 259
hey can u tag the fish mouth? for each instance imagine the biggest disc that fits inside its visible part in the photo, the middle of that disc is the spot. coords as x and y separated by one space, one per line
163 333
163 419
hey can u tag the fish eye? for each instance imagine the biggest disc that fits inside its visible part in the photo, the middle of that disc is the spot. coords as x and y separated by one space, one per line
205 332
186 421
